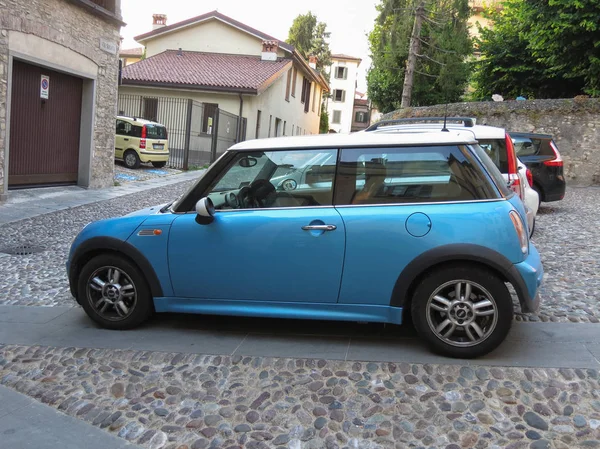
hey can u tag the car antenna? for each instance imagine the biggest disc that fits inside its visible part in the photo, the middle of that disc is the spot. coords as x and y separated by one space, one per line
444 129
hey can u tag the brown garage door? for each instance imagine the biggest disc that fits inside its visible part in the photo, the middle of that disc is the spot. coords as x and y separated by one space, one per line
44 134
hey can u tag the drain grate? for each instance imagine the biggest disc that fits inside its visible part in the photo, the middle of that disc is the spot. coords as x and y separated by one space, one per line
21 250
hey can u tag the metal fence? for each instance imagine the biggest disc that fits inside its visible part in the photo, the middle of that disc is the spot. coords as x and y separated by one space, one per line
198 132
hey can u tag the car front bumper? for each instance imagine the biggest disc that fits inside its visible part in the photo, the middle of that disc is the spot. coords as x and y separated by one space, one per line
531 273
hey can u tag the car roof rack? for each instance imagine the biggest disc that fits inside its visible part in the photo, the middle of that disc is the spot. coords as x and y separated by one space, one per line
468 122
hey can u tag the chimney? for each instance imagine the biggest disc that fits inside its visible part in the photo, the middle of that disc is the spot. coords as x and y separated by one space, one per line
159 21
312 61
269 50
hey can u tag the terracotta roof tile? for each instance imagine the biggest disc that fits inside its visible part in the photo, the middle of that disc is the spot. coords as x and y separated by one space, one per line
205 71
139 51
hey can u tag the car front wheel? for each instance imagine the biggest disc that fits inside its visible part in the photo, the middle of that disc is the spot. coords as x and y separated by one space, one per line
114 293
462 311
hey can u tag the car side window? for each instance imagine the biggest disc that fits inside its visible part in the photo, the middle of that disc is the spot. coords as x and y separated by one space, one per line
276 179
410 175
123 128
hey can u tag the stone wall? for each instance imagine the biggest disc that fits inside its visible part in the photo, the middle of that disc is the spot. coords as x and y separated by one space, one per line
574 123
71 25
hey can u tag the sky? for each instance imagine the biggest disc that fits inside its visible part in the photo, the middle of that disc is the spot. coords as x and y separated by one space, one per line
349 21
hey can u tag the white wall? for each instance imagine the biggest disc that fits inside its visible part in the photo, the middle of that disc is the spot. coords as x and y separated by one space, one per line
272 104
348 85
212 36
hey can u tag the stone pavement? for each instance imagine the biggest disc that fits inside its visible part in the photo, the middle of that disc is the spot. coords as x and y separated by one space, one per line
550 345
28 203
27 424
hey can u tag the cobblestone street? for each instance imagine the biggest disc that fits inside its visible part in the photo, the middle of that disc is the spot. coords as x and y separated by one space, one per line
177 401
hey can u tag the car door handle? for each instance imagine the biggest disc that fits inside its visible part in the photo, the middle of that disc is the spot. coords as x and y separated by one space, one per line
324 227
126 140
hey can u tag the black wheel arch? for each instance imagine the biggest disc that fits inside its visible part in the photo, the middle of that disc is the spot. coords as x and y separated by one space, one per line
103 245
461 253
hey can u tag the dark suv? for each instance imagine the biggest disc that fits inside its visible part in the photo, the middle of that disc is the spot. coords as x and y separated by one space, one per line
540 153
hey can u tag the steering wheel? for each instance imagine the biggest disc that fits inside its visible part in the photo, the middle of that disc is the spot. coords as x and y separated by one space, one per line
260 190
245 199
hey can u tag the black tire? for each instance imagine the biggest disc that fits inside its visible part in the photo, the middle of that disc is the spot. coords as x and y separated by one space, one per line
143 306
131 159
159 164
532 228
480 277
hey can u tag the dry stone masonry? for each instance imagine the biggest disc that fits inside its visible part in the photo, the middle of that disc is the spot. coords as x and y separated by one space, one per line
574 123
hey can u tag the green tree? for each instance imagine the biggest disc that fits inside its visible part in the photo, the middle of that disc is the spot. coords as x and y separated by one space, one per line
442 67
324 122
541 49
309 37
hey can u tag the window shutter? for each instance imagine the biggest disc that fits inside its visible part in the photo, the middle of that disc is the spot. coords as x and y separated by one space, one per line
343 96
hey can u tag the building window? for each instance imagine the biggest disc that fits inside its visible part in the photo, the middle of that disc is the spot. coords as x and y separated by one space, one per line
284 125
341 73
151 109
339 95
258 114
294 76
277 127
288 85
337 117
270 120
361 117
306 85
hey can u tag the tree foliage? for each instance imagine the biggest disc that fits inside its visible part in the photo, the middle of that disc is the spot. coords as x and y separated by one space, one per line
443 70
324 121
309 37
541 49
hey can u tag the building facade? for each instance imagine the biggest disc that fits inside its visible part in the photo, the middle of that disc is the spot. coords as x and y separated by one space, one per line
340 104
58 92
225 64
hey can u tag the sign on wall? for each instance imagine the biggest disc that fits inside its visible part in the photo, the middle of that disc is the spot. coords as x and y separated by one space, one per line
108 46
45 87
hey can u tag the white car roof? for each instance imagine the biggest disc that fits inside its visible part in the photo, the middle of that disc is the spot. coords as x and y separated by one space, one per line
411 137
479 131
143 121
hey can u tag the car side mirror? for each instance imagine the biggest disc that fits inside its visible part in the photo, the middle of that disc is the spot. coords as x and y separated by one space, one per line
205 210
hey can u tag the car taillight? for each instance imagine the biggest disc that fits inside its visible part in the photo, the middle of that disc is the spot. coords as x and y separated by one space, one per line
513 177
557 161
144 134
529 177
520 230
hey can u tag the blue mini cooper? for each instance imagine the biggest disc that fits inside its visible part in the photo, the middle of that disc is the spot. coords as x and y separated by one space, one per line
375 227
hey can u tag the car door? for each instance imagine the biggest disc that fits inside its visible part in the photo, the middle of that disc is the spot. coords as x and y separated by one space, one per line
120 136
394 214
282 246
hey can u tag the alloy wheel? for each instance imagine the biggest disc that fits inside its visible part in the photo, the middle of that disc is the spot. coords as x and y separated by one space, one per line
130 160
111 293
462 313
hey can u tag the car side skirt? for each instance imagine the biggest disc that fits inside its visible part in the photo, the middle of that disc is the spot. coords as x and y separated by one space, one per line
312 311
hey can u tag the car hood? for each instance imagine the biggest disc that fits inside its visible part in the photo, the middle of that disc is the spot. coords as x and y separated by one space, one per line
153 210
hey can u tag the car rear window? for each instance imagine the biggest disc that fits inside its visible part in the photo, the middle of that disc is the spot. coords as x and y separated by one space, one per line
493 171
532 146
410 175
496 150
156 132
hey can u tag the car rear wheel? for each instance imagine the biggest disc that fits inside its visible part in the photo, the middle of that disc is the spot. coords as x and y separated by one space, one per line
132 160
159 164
462 311
114 293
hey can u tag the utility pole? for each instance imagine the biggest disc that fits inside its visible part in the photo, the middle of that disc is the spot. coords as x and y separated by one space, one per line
413 51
